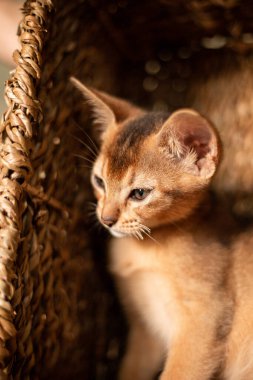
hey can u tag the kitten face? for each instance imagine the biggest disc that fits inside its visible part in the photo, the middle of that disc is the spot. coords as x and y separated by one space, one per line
152 167
138 186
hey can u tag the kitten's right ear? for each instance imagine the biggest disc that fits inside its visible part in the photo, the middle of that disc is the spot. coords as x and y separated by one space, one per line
107 110
102 114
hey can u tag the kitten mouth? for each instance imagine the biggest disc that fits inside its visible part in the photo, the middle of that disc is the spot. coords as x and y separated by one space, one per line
131 228
138 233
118 234
115 232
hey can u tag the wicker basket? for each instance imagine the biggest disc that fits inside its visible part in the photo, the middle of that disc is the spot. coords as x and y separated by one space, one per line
59 317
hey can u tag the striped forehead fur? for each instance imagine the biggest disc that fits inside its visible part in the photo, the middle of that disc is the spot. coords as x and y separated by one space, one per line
127 144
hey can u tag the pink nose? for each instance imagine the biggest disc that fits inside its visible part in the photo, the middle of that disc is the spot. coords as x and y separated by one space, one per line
108 220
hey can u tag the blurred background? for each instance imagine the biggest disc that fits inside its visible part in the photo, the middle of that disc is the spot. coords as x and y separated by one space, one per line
4 74
10 16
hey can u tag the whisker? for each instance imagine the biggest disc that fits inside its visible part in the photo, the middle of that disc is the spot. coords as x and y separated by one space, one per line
95 153
85 166
83 158
138 233
91 213
91 204
144 227
87 135
96 224
149 235
85 145
178 227
134 234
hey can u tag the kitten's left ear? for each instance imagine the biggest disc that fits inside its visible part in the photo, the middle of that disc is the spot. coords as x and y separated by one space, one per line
107 110
189 137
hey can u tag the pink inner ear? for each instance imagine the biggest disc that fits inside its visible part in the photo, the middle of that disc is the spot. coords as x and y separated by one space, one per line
194 133
199 141
185 131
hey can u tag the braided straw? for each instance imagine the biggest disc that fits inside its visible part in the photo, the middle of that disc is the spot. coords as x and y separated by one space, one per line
19 124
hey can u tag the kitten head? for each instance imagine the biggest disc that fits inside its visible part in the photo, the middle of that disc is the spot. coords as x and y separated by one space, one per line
152 168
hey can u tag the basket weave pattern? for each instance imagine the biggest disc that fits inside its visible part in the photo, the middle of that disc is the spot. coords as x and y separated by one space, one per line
58 314
21 281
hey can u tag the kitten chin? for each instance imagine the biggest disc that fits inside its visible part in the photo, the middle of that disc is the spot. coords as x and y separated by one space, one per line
117 234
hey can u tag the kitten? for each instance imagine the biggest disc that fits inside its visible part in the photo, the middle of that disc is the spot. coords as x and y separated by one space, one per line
179 285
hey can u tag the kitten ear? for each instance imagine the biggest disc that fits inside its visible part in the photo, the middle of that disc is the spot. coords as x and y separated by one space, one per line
189 137
102 113
107 110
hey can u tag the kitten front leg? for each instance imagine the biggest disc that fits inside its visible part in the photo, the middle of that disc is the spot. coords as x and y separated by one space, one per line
143 357
193 355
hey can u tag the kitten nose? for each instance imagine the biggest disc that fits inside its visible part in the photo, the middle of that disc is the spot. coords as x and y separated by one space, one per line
108 220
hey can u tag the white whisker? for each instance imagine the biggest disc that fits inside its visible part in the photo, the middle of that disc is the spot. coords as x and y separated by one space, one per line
139 234
84 158
147 229
85 166
91 204
150 237
134 234
178 227
85 145
91 213
86 134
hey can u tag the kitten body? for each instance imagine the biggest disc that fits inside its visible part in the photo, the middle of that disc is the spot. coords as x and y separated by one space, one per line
187 296
175 299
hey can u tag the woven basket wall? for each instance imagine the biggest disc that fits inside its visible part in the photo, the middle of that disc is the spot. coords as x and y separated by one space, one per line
59 317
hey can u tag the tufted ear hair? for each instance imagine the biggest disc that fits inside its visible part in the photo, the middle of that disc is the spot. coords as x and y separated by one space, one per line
189 137
107 110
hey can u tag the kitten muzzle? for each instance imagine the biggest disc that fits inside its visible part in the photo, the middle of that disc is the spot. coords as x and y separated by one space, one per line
108 221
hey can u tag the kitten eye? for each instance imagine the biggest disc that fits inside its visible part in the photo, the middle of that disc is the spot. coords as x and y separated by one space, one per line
99 182
139 194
